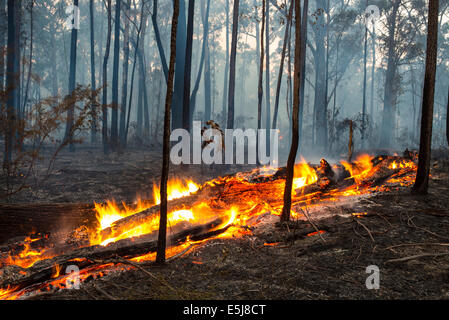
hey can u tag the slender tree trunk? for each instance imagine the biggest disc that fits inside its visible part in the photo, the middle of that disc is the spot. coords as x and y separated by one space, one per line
188 66
93 133
125 75
3 34
178 95
281 67
388 115
162 237
231 93
207 83
422 176
105 81
320 113
72 83
202 58
30 65
304 24
260 85
267 79
157 35
373 70
285 216
447 119
365 52
326 91
137 44
11 85
226 70
115 77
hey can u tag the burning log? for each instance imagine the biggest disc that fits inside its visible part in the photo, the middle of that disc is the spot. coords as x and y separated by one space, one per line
128 248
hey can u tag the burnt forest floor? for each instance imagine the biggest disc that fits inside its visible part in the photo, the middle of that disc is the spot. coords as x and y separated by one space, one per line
397 225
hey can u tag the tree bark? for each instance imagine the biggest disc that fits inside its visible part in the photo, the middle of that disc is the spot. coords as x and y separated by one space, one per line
200 68
388 115
115 76
281 67
104 129
267 79
285 216
157 35
304 24
365 52
188 66
177 108
226 70
125 76
11 84
447 119
162 236
72 83
260 85
425 146
231 93
93 133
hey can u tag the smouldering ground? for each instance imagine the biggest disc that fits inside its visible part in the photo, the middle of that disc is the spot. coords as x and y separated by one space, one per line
400 225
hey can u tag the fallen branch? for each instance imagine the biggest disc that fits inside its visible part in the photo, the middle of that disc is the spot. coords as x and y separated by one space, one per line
417 256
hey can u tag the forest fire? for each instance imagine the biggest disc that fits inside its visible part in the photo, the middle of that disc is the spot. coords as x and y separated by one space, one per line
225 207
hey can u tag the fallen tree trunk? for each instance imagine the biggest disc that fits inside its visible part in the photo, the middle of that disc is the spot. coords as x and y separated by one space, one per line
85 257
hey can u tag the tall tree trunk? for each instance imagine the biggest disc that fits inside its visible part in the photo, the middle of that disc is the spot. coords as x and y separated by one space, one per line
231 93
11 85
125 75
93 132
207 76
320 113
3 33
260 85
162 236
178 95
142 82
115 76
136 46
72 83
365 52
188 66
285 216
425 146
373 69
326 91
447 119
388 115
200 68
105 81
304 24
157 35
226 70
267 79
30 58
281 66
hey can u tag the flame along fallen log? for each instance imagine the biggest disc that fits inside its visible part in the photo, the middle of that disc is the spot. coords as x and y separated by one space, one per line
244 189
44 271
259 187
